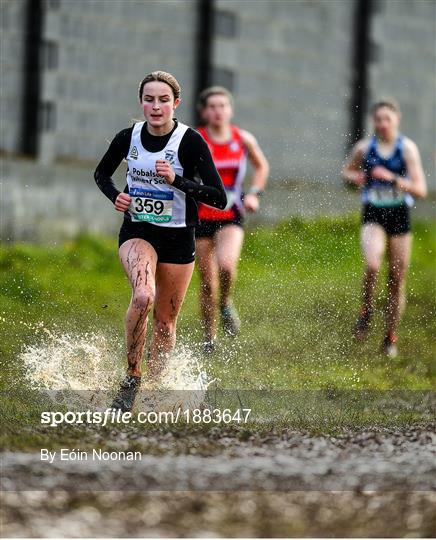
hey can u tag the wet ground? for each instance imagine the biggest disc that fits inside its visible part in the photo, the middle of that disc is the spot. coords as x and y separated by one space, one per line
239 514
231 483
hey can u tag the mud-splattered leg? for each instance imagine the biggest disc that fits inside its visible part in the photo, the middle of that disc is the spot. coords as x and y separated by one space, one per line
139 260
399 255
373 241
172 281
228 248
208 270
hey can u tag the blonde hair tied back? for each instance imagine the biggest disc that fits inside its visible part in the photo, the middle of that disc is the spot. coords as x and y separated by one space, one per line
161 76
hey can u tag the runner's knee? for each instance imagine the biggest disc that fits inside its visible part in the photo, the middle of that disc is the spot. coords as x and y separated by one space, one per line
373 266
396 278
227 269
143 298
208 288
165 327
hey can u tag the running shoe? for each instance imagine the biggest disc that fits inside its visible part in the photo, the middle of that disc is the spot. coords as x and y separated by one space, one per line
126 395
361 327
389 346
209 347
230 320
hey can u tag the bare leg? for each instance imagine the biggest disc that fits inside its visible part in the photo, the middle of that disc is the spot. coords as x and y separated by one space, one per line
399 256
172 281
373 241
139 260
228 242
208 270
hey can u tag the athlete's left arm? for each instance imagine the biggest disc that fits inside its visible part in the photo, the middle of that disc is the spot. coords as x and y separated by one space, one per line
416 185
195 153
261 170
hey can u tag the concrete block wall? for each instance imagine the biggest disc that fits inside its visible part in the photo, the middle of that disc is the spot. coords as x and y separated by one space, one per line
50 202
404 67
291 63
12 33
105 49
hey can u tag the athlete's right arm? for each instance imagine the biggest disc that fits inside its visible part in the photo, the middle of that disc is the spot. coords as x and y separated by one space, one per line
352 172
109 163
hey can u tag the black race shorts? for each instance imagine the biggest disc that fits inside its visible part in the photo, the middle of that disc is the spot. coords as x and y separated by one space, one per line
208 228
172 244
394 220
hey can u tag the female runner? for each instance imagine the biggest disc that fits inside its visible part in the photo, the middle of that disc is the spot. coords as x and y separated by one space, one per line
220 234
159 202
388 168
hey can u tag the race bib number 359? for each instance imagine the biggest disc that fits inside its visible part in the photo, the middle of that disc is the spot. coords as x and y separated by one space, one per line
151 205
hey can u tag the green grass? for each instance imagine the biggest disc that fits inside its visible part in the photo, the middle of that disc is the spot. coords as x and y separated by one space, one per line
298 293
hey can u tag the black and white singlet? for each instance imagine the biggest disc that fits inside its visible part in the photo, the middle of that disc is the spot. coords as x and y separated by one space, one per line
157 206
190 157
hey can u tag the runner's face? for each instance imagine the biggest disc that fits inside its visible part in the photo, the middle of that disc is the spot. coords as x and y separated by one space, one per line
386 122
158 103
218 111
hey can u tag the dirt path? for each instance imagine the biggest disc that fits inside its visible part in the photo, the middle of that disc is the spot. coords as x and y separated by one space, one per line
371 483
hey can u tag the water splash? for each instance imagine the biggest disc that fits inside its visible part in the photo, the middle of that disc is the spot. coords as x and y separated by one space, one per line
70 361
89 366
183 384
184 372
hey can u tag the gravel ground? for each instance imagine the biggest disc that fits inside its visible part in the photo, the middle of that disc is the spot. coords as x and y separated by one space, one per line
231 483
207 514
